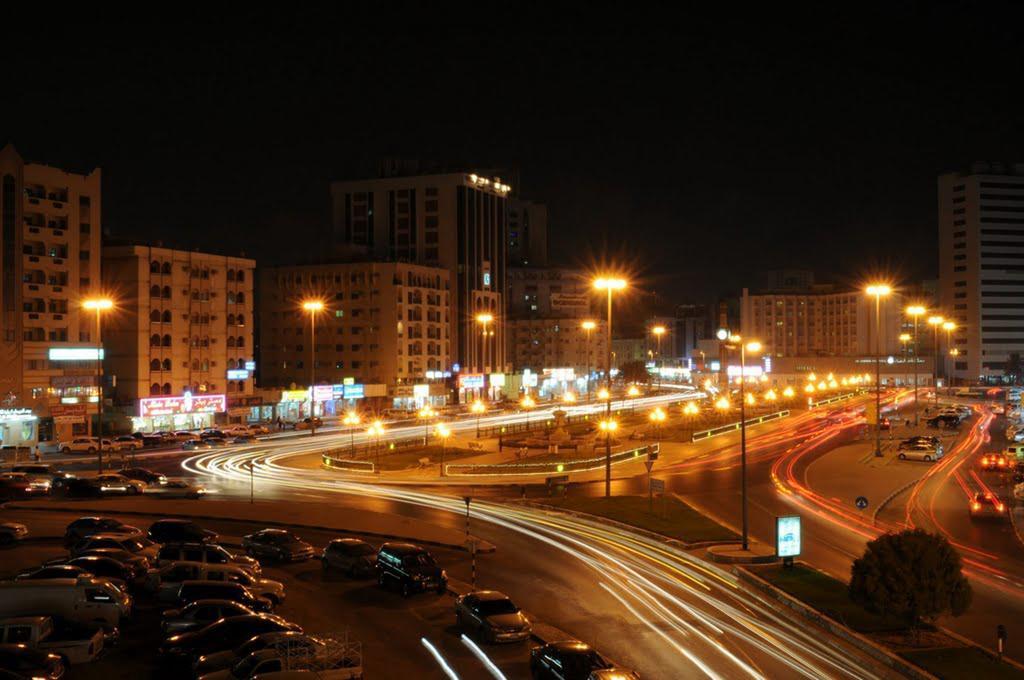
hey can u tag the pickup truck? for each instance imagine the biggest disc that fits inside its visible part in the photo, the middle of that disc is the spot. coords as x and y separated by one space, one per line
74 643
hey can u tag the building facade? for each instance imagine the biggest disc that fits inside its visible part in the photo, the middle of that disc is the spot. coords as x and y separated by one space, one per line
180 337
527 233
50 226
557 343
453 221
383 323
821 323
549 292
981 268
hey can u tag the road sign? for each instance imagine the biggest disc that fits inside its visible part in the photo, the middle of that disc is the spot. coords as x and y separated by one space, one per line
861 502
648 464
657 486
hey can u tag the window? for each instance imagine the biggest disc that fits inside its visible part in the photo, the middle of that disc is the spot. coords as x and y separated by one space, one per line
154 316
154 389
154 340
166 342
154 365
167 364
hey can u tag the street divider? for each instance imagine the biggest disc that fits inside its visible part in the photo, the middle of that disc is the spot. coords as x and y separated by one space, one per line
733 427
348 465
832 400
548 468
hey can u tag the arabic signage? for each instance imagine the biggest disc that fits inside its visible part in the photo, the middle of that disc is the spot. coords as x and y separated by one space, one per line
354 392
323 392
11 414
184 405
238 374
294 395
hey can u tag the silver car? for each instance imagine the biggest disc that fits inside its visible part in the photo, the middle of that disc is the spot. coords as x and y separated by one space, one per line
200 614
922 451
492 616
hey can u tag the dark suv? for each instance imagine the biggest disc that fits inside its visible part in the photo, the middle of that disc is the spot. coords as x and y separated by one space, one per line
411 568
179 531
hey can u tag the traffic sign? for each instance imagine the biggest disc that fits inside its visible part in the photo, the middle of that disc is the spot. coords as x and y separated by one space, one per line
657 486
648 464
861 502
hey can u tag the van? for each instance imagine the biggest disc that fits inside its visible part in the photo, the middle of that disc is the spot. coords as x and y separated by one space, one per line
74 643
207 553
85 599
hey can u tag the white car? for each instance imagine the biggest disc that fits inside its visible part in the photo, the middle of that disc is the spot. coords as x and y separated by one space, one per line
115 484
128 442
921 451
87 445
176 488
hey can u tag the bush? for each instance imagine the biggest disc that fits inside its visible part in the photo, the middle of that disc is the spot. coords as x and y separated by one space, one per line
914 576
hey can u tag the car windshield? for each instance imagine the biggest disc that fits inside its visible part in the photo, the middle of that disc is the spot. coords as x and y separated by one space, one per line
280 538
418 560
359 549
495 607
582 662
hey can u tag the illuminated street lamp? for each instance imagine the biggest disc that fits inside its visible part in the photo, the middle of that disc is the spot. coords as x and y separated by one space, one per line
633 392
658 332
351 419
588 327
609 285
425 414
878 291
770 396
485 319
375 430
915 312
949 327
526 403
722 404
442 432
98 305
935 321
752 346
788 393
603 394
569 397
478 408
691 408
312 307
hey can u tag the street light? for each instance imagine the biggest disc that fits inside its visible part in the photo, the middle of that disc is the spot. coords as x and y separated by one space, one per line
659 331
526 403
425 414
376 429
609 285
588 327
485 319
788 393
915 312
878 291
478 408
604 394
351 419
935 321
569 398
99 305
657 416
949 327
312 307
633 392
752 346
442 432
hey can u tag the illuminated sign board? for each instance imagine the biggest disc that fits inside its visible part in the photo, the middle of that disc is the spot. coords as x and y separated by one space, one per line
323 392
716 365
354 392
420 391
487 279
754 371
238 374
529 379
497 379
560 374
787 536
13 414
294 395
469 381
250 365
74 354
183 405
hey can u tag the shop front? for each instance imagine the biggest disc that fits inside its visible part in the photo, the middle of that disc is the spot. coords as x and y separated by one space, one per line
293 406
187 412
247 409
19 427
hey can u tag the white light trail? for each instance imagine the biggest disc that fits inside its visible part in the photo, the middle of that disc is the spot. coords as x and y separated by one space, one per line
439 659
484 659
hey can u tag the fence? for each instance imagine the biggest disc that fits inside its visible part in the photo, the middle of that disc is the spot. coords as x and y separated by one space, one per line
832 400
732 427
550 467
348 465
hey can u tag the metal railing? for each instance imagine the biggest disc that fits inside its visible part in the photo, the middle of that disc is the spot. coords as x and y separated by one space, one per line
733 427
549 467
832 400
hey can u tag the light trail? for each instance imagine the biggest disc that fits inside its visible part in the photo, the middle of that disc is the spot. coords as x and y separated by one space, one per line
439 658
484 659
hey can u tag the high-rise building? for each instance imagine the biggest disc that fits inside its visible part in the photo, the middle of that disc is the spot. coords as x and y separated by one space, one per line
557 343
180 338
820 323
384 324
49 263
981 267
455 221
527 233
548 292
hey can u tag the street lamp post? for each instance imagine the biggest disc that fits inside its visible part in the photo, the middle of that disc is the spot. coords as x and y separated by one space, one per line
949 327
478 408
99 305
915 312
485 319
443 432
351 420
609 285
878 291
375 431
936 321
527 403
658 331
752 346
425 414
588 327
312 307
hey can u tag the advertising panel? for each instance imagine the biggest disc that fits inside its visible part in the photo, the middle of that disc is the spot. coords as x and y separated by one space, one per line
471 381
787 536
74 354
238 374
183 405
323 392
355 391
420 391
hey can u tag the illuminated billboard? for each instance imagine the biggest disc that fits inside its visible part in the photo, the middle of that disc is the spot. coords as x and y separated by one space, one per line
470 381
787 536
74 354
183 405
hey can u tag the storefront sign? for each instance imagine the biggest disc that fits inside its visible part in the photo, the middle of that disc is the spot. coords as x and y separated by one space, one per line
183 405
560 374
236 402
754 371
238 374
348 381
250 365
74 354
68 410
12 414
787 536
323 392
497 379
529 379
65 381
471 381
294 395
354 391
420 391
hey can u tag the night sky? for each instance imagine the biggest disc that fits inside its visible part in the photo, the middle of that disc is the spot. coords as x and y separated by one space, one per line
694 148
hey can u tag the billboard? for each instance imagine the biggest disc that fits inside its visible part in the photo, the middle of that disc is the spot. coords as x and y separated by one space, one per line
787 536
323 392
238 374
74 354
354 391
183 405
469 381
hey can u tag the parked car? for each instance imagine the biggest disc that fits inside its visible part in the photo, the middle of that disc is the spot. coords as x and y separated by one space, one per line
196 445
85 599
492 616
922 451
12 532
209 553
137 545
82 487
215 441
277 544
242 438
986 506
294 641
274 664
74 643
40 476
51 571
16 485
192 591
199 614
148 477
950 422
572 660
308 423
918 439
354 557
177 488
410 568
138 564
115 484
166 581
120 574
83 527
79 445
206 434
31 663
220 635
129 443
179 531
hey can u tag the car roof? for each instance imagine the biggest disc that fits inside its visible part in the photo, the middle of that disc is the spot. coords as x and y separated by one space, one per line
570 646
402 548
349 541
196 583
213 601
171 520
489 595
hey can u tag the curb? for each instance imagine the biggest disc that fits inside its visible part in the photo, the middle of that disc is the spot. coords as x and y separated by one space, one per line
597 519
890 498
984 650
714 556
872 649
486 546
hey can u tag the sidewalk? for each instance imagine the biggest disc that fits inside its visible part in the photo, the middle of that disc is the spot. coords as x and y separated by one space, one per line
319 516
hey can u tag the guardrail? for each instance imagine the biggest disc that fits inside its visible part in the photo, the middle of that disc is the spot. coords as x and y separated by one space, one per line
832 400
348 465
732 427
548 468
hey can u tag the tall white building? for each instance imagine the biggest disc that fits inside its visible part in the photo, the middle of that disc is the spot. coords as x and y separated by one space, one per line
981 267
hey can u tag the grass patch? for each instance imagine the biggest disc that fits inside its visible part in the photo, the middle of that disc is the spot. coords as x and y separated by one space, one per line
410 458
828 596
680 521
961 662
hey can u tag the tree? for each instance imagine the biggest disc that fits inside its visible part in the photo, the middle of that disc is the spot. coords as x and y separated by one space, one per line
634 371
1013 368
914 576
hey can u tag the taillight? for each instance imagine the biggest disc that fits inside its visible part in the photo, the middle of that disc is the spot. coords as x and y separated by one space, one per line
1000 507
975 506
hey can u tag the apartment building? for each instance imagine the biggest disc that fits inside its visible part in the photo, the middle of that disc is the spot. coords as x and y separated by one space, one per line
527 233
549 292
820 322
383 323
981 268
180 337
50 225
557 343
452 221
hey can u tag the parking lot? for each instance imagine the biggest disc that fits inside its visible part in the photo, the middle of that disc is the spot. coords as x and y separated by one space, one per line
389 626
